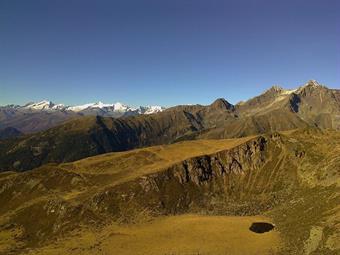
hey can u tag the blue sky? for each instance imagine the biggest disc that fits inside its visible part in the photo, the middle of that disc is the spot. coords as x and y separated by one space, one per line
164 52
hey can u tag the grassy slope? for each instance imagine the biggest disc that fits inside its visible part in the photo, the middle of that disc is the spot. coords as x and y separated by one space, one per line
310 220
185 234
124 166
310 209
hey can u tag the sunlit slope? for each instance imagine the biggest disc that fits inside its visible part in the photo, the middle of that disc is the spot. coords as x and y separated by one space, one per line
134 163
278 175
311 105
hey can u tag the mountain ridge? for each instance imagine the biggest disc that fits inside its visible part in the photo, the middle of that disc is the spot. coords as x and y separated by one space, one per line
48 105
34 117
275 110
37 116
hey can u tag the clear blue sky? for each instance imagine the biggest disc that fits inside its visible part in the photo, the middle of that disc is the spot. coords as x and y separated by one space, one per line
164 52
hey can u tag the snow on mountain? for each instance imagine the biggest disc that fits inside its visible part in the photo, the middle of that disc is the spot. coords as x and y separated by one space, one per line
83 107
122 107
79 108
58 107
118 107
151 109
95 108
43 105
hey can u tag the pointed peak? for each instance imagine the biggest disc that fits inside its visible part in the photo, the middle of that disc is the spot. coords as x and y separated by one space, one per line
44 104
150 109
120 107
312 84
118 104
221 103
275 89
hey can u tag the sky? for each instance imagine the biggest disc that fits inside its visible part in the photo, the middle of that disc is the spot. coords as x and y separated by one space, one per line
164 52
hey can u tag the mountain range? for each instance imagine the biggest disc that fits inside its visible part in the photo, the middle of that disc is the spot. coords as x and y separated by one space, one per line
37 116
277 109
140 183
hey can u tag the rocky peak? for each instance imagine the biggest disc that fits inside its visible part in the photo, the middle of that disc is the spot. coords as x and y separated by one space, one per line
275 90
312 88
221 104
312 83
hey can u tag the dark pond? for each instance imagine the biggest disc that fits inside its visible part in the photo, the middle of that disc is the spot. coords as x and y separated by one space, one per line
261 227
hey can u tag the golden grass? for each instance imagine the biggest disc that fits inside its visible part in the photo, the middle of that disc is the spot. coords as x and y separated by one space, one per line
185 234
128 165
8 241
194 234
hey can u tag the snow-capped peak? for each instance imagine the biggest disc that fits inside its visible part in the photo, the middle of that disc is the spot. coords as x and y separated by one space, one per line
150 109
121 107
42 105
100 105
116 109
79 108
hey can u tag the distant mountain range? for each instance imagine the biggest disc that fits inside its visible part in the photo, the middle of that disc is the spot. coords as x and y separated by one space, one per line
36 116
98 108
277 109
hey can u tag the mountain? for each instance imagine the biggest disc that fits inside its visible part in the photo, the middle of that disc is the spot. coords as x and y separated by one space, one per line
9 132
30 121
104 185
33 117
165 199
43 105
99 108
310 105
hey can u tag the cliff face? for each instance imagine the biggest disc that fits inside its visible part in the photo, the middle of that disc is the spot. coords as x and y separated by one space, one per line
245 180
